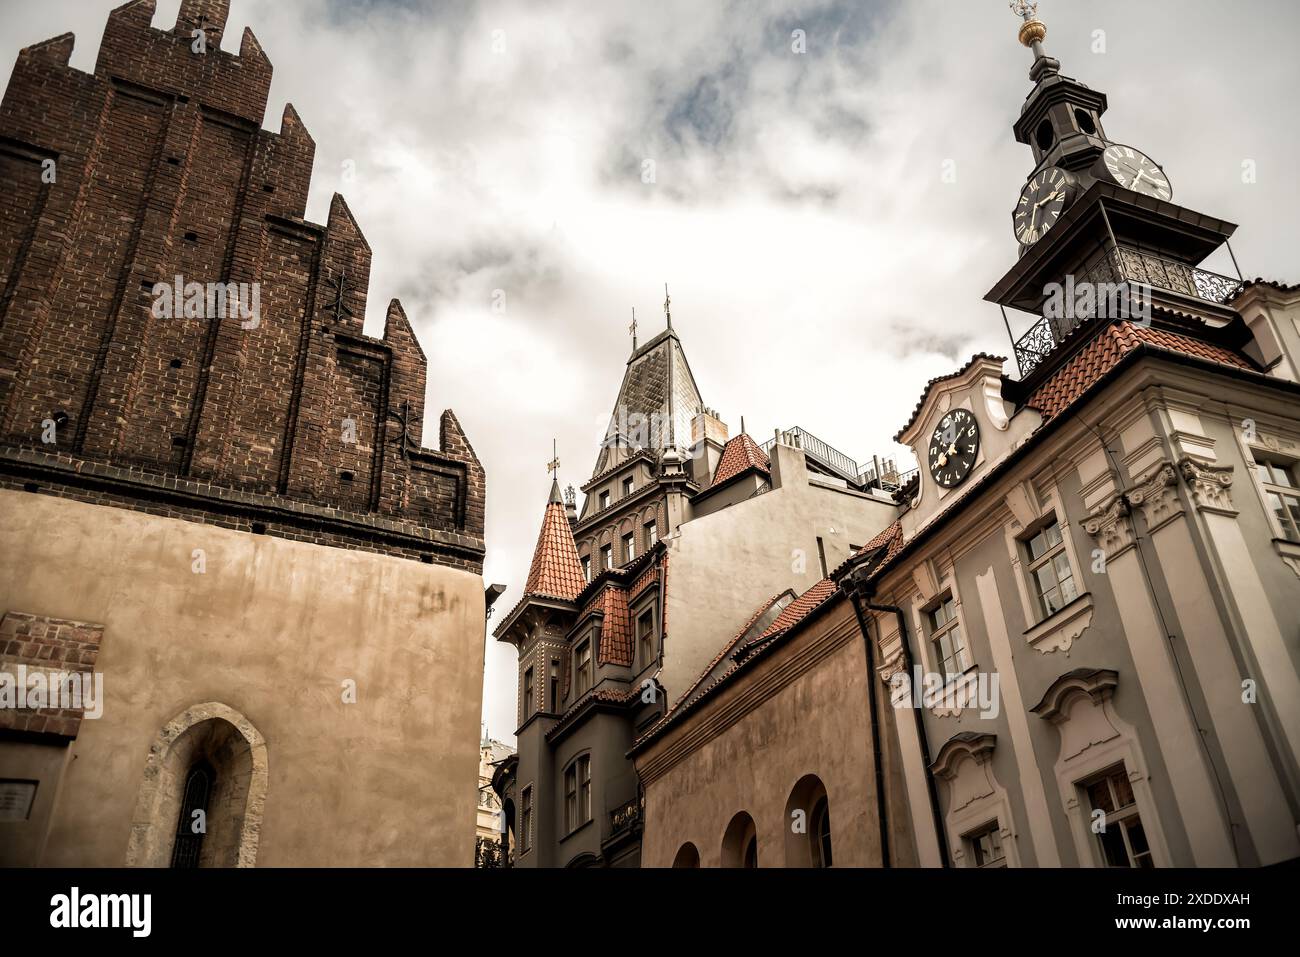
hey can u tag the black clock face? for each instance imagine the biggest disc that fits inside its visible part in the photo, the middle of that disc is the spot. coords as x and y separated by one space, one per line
953 446
1136 171
1041 203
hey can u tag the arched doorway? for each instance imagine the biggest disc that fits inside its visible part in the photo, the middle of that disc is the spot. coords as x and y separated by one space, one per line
208 759
688 855
740 842
808 825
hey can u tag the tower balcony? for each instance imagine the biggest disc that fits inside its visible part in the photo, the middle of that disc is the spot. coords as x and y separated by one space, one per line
1106 273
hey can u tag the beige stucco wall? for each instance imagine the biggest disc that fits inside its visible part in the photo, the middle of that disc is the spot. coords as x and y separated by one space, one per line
722 566
272 629
816 723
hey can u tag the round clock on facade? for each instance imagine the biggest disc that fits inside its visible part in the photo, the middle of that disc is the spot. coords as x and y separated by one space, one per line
1136 171
1041 203
953 446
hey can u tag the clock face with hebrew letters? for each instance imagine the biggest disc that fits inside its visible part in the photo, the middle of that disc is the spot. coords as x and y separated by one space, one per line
953 446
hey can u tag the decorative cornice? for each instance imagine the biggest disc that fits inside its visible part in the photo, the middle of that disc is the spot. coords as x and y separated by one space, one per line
1097 683
965 744
1210 486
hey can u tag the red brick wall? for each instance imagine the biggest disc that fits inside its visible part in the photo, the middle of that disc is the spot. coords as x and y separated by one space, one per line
50 646
163 169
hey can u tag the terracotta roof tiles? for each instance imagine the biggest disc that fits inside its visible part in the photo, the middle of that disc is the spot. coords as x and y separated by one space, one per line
1081 372
739 454
556 571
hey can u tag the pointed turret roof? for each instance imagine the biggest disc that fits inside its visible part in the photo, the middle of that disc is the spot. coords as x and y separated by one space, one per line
656 403
556 571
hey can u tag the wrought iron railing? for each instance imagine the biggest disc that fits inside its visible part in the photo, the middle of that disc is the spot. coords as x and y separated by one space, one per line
1116 266
627 814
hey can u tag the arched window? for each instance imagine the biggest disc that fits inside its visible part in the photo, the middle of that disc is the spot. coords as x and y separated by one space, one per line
688 855
808 824
208 758
740 842
193 824
821 833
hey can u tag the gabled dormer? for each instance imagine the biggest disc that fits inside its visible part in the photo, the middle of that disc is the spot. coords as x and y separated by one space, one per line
961 428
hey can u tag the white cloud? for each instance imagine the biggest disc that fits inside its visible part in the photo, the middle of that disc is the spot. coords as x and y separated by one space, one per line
820 268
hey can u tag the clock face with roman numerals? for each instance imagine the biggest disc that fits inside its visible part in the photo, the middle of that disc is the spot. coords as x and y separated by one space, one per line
953 446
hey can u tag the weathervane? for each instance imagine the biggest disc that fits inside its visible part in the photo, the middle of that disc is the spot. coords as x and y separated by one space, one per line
553 466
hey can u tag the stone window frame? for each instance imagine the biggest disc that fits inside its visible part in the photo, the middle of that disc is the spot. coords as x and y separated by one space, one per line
966 761
529 693
1033 510
1276 441
151 829
970 842
924 599
934 633
1095 754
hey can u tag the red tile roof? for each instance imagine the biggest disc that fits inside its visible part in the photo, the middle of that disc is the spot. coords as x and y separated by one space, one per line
616 629
556 571
1110 345
790 616
727 648
798 610
739 454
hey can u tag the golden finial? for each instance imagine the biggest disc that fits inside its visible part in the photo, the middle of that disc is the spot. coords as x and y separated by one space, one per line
1033 30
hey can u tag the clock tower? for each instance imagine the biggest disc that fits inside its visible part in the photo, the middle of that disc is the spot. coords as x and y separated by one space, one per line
1098 215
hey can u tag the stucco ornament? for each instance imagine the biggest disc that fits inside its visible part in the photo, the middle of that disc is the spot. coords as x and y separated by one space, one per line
1210 485
1111 526
1156 496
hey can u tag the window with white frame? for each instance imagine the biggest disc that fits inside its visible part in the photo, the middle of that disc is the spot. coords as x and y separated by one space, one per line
586 568
1121 839
1051 577
628 485
1281 492
629 547
602 501
946 637
985 846
651 535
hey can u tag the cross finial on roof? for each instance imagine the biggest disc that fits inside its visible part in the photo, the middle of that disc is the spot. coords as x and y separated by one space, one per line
668 312
632 328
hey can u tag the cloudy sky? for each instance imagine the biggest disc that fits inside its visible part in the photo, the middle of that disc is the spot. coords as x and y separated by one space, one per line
822 266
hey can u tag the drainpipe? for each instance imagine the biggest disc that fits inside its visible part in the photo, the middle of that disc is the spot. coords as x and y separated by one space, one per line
861 596
881 806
